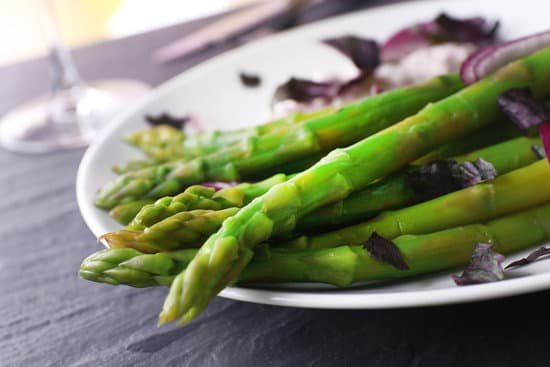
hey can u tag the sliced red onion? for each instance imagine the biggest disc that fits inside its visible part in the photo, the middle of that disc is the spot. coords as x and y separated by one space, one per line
486 60
544 131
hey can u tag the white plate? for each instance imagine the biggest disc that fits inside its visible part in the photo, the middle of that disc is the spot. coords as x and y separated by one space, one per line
212 90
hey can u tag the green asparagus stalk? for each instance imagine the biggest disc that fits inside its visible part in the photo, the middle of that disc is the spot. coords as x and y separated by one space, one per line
134 165
223 256
185 229
158 143
235 196
517 190
168 143
341 265
124 213
482 138
390 193
393 192
260 153
201 197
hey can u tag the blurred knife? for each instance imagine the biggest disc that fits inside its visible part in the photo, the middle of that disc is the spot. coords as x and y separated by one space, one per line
231 26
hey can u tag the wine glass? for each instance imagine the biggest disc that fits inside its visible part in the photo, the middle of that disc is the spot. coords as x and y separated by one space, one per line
73 112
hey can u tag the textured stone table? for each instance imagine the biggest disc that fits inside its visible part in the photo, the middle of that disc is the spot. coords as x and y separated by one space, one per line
50 317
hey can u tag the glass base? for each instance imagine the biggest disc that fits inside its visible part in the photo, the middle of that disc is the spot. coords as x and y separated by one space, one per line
69 118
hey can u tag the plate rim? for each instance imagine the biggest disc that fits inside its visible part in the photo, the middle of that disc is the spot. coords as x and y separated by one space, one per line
326 299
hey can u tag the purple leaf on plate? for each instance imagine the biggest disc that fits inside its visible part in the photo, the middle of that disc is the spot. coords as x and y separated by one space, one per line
364 53
167 119
386 251
440 177
250 80
485 266
531 258
303 90
522 109
474 30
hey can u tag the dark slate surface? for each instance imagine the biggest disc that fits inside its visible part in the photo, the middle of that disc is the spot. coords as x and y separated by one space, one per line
50 317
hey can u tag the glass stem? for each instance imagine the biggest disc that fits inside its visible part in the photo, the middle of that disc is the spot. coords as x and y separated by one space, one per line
64 74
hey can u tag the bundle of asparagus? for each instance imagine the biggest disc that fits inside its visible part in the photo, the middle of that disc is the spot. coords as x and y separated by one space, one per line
166 224
432 170
260 153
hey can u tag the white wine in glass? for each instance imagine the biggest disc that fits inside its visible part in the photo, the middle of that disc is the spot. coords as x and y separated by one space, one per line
73 112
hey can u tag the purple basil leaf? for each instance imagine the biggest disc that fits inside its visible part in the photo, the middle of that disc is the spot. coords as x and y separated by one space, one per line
472 173
167 119
219 185
474 30
522 109
440 177
386 251
364 53
302 90
532 257
250 80
485 266
539 151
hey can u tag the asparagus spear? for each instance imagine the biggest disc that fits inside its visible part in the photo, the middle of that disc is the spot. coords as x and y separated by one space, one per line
223 256
390 193
184 229
393 192
134 165
341 265
517 190
201 197
257 154
124 213
167 143
477 140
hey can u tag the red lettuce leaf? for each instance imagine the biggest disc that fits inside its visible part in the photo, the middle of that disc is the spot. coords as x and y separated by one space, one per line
485 266
386 251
